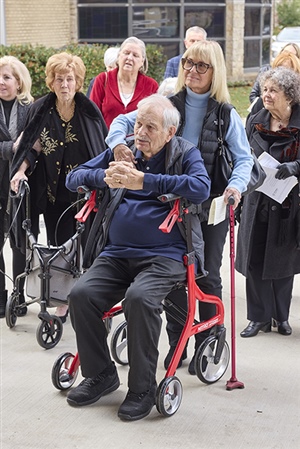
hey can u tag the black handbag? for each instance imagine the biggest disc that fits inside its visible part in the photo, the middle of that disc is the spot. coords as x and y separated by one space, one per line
223 165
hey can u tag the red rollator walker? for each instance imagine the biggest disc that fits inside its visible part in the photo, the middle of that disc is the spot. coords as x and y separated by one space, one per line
211 358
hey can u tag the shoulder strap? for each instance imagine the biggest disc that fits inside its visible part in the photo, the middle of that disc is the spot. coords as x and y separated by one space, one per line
223 119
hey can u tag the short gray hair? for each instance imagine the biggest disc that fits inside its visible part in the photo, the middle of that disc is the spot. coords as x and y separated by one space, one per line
170 114
196 29
287 80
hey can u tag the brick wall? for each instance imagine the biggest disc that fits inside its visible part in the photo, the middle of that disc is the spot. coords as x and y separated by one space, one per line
49 23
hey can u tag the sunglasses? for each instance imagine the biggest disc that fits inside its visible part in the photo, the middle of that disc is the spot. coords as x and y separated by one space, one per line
201 67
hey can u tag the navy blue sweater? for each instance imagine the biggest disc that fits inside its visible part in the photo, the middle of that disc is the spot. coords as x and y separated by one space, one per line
134 228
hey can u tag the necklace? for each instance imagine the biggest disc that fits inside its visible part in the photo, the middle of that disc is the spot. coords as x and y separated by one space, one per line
126 96
281 123
70 114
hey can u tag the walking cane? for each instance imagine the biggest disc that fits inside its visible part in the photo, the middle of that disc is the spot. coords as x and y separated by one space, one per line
233 382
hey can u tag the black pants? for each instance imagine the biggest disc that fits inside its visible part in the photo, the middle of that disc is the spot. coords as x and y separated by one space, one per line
143 283
214 240
266 298
2 228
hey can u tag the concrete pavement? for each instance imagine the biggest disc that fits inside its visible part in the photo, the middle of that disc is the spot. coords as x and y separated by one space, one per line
263 415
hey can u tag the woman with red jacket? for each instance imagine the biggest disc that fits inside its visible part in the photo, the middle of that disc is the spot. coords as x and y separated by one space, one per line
119 91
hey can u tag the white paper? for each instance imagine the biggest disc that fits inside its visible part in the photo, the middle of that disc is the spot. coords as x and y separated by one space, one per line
217 211
277 189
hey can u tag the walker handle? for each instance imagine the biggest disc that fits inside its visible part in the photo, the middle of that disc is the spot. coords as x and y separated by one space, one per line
87 208
172 217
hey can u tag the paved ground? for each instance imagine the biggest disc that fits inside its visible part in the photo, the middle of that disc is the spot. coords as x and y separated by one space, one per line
263 415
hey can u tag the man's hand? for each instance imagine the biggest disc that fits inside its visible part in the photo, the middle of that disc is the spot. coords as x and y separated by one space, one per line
124 175
288 169
123 153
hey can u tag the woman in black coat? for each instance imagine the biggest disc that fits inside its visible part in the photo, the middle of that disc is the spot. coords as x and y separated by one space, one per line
64 129
15 101
268 246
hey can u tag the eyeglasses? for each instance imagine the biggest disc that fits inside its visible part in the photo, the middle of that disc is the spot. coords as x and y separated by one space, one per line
201 67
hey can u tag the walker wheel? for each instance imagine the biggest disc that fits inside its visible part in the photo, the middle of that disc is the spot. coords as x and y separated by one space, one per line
11 311
168 396
48 336
118 344
206 368
61 376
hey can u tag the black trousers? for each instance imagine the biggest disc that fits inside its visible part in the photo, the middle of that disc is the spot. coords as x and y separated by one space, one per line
143 283
2 229
214 239
266 298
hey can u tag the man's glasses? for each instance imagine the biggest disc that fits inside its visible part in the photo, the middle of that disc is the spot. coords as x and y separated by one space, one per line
201 67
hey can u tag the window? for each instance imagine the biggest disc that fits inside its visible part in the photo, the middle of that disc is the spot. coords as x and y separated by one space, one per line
156 22
257 33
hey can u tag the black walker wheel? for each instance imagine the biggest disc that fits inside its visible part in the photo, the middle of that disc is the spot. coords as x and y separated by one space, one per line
11 311
48 336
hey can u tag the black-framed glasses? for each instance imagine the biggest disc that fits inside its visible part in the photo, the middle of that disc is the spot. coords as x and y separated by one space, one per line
201 67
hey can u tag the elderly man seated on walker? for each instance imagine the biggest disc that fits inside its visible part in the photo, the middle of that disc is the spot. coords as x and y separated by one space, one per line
136 261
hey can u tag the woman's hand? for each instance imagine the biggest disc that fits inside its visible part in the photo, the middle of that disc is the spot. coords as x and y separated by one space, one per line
19 176
123 153
232 192
288 169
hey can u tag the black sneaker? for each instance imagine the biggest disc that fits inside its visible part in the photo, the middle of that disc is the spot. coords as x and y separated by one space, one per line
191 367
137 405
92 389
170 355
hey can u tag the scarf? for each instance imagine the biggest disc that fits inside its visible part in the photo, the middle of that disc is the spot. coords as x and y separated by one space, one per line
290 152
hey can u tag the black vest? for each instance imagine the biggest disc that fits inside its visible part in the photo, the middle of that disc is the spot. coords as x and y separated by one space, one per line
208 142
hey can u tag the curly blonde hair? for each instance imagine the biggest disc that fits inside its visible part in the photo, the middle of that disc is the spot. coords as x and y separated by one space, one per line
63 63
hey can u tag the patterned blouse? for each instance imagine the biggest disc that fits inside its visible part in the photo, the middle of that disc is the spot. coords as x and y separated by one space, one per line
63 148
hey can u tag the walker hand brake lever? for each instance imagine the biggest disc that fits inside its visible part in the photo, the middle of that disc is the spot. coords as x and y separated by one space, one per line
171 218
87 208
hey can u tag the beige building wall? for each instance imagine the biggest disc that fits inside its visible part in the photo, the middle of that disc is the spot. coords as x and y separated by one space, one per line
235 13
49 23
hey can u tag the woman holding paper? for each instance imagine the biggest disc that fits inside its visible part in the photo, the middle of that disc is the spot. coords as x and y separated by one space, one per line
268 245
201 89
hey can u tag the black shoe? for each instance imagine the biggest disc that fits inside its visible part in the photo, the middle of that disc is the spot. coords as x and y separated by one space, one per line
254 327
93 388
170 355
284 328
191 367
200 338
22 310
137 405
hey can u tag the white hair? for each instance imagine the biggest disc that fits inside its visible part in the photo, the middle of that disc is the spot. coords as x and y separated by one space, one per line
110 56
170 114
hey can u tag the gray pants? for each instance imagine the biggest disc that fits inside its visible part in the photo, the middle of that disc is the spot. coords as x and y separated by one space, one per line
143 283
